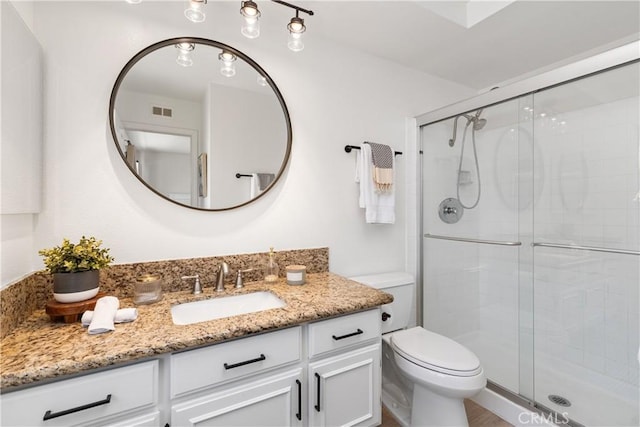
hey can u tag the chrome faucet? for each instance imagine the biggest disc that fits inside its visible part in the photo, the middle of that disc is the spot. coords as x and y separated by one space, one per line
223 270
197 288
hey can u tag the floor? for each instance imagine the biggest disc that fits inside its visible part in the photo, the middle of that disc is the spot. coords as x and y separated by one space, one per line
476 414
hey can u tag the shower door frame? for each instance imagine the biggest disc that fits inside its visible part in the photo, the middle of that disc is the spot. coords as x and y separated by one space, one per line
605 61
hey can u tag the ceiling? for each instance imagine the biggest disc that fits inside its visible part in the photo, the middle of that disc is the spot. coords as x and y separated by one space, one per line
521 37
512 40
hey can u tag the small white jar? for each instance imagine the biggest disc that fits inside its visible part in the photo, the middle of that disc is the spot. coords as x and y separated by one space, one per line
296 274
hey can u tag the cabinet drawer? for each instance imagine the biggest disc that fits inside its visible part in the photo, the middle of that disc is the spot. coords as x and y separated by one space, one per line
343 331
272 401
204 367
79 401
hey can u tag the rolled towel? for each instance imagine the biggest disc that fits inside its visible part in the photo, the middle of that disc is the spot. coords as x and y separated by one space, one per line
103 315
123 315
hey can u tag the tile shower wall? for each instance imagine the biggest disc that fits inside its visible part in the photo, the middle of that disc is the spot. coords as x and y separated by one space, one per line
586 303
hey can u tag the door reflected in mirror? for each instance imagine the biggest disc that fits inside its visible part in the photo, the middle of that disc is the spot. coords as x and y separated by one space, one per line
213 135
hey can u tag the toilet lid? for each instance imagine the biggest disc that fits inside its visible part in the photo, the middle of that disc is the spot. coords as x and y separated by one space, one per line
435 352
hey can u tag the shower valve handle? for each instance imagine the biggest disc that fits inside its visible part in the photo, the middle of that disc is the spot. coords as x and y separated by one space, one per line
450 210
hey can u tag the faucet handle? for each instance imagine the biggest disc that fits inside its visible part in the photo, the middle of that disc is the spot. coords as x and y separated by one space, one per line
239 278
197 288
239 282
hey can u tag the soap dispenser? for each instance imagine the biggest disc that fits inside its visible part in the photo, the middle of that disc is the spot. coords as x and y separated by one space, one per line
271 269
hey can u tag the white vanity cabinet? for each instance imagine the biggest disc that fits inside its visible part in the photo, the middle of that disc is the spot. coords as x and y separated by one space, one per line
344 373
326 373
122 396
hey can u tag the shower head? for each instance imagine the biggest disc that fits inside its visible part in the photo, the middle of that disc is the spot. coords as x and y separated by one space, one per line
479 123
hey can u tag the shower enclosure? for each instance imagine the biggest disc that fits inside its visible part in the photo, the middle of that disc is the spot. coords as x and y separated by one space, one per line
541 277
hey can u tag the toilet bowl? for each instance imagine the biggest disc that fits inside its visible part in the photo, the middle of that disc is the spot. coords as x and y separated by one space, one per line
443 374
425 376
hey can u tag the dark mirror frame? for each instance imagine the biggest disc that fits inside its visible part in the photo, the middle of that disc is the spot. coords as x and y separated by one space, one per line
170 42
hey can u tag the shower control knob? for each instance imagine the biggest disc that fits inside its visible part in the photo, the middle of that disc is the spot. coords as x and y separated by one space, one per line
385 316
450 210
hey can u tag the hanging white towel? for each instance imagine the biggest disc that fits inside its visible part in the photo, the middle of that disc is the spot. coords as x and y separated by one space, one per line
124 315
379 207
259 182
255 185
103 315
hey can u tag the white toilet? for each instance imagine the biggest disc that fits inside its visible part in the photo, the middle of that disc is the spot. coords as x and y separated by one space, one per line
425 376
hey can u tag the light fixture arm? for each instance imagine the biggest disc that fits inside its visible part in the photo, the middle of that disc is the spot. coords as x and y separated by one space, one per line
293 6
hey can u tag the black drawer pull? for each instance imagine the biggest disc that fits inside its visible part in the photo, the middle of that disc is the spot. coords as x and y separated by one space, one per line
49 415
317 406
246 362
352 334
299 414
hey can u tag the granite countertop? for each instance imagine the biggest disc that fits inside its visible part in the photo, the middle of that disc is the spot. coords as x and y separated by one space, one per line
40 350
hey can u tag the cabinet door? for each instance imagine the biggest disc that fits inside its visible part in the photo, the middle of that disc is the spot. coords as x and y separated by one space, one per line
345 390
273 401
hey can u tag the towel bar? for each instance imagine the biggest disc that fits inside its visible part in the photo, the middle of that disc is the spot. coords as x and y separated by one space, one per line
240 175
348 148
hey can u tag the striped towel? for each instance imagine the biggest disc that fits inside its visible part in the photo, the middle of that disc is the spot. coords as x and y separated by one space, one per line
382 159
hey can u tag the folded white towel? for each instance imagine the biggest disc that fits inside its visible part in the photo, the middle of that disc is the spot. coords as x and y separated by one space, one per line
123 315
379 207
103 315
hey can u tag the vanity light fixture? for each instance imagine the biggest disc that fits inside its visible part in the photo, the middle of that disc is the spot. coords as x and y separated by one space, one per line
251 15
251 19
184 54
194 12
296 27
251 26
228 59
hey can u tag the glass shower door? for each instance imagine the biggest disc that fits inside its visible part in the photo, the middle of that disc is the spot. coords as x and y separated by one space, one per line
587 232
471 274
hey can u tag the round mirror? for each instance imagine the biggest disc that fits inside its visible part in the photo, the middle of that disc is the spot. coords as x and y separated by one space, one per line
200 123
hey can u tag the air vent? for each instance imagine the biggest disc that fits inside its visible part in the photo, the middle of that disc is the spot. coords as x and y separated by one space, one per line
161 111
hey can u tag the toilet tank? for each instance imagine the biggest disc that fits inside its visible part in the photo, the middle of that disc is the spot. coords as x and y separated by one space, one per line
402 286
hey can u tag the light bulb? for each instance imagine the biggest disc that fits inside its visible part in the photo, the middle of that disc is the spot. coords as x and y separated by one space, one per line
184 54
250 28
296 28
228 59
133 1
262 80
228 70
295 42
296 25
251 25
194 12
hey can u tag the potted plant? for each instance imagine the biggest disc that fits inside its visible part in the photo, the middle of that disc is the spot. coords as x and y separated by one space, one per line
75 268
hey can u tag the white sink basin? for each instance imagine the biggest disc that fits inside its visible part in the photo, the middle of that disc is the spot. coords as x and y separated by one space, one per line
217 308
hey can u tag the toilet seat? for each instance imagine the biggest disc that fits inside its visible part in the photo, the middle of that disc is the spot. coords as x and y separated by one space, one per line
435 352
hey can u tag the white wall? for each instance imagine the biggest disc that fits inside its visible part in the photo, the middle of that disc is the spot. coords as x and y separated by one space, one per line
21 147
335 96
247 136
